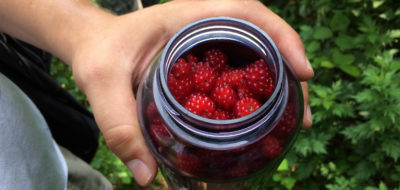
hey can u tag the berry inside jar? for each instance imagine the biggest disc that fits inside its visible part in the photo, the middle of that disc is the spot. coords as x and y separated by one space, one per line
219 109
221 82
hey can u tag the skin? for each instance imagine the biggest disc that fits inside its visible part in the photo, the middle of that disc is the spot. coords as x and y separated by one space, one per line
108 55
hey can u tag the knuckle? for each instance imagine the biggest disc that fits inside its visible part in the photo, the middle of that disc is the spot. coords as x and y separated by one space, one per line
119 138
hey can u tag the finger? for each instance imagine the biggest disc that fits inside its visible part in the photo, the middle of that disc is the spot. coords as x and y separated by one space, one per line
114 106
307 117
285 37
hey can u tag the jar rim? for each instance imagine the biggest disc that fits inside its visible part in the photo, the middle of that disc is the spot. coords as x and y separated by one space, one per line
222 21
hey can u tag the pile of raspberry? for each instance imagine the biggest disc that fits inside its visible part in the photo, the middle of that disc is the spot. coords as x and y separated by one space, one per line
221 164
214 89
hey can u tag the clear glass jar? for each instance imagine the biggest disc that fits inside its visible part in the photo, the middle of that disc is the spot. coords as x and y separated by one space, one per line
194 152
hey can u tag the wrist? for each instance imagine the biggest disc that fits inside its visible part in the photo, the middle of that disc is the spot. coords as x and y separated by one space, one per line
67 40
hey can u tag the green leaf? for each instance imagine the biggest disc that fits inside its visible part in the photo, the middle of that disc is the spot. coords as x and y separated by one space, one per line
339 22
394 34
322 33
364 170
313 46
342 59
345 42
305 169
351 70
306 32
327 64
392 148
283 166
376 3
321 92
382 186
277 177
288 182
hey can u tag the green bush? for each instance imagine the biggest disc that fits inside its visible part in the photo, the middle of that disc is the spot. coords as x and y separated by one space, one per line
353 46
355 96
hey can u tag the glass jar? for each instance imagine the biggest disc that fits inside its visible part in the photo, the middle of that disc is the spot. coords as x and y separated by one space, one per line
195 152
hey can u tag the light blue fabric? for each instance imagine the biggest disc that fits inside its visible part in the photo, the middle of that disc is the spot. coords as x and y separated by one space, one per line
29 156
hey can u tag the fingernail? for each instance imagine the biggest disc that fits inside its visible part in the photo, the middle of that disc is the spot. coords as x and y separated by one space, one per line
308 116
309 67
140 171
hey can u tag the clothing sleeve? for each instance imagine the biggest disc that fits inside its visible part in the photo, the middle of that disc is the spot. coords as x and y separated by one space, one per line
29 157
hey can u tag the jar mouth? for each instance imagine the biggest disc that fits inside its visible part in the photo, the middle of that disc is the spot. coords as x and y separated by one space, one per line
224 29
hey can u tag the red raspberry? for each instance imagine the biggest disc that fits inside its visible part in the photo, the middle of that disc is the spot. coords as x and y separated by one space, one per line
224 96
252 155
223 78
181 69
192 59
287 124
259 78
217 58
271 147
180 88
188 162
221 115
151 111
239 170
156 120
215 160
243 91
257 164
237 76
197 65
201 105
204 77
245 106
233 77
152 114
160 134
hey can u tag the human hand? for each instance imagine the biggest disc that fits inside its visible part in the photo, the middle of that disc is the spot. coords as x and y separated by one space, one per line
113 58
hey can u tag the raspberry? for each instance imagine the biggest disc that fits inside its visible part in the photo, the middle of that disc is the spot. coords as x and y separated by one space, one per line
224 96
204 77
221 115
181 69
243 91
246 106
180 88
151 111
156 120
259 78
239 170
225 85
215 159
286 125
192 59
223 78
152 114
217 59
201 105
237 76
160 134
188 162
257 164
233 77
271 147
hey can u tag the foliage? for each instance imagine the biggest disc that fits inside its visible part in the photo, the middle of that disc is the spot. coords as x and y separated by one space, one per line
355 96
113 168
353 46
63 75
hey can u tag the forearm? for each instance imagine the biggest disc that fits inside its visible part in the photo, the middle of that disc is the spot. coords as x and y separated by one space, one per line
53 25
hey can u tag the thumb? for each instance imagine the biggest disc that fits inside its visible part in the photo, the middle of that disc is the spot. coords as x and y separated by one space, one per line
114 108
